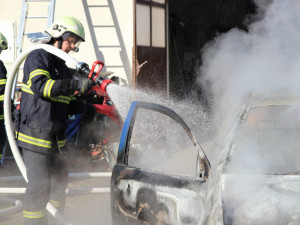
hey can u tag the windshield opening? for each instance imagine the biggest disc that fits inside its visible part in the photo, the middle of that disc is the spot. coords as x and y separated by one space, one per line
268 142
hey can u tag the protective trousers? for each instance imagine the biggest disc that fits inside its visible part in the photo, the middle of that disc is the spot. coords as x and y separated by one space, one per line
47 181
2 137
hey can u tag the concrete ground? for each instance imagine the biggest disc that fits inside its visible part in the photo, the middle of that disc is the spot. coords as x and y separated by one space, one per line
81 209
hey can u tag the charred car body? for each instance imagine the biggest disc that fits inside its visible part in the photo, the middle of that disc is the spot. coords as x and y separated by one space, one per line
148 195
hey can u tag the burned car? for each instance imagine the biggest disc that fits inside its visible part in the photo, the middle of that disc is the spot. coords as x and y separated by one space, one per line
257 178
161 172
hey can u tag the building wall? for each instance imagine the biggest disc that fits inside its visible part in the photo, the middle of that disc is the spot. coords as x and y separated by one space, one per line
108 26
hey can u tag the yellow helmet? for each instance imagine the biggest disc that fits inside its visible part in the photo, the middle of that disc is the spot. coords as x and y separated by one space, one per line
66 24
3 42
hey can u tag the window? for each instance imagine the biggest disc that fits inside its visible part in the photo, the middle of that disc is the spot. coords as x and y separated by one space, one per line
150 22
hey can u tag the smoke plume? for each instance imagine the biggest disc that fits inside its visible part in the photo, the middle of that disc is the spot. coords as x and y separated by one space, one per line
264 58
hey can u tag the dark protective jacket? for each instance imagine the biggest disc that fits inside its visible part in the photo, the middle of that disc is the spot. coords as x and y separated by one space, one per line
47 90
3 73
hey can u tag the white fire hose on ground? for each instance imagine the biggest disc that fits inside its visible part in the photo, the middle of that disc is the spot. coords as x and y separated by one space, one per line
7 211
8 118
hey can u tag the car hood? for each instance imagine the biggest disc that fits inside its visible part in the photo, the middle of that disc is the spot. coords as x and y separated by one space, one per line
261 199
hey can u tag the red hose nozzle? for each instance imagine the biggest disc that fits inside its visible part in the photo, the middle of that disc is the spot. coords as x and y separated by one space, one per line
105 83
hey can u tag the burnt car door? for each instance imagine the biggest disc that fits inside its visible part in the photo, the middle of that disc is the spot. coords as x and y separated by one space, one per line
150 182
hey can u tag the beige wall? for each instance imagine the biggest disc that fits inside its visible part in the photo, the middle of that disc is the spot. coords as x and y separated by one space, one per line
111 41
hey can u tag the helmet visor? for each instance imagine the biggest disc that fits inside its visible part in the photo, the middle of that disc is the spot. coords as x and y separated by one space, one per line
77 44
76 49
78 40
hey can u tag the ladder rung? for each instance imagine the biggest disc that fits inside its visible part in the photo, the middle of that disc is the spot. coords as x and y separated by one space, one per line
103 26
38 0
92 6
36 17
109 46
121 66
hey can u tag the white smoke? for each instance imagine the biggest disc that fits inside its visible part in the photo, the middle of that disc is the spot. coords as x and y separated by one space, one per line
265 58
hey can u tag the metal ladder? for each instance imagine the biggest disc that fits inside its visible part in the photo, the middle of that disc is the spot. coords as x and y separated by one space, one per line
25 17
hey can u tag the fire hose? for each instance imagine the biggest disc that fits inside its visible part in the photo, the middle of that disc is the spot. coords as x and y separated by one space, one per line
17 206
82 68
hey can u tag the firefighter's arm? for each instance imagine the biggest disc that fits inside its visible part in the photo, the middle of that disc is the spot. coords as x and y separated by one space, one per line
37 69
45 87
48 88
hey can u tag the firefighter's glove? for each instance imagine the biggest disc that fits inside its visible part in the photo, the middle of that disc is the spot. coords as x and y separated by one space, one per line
85 85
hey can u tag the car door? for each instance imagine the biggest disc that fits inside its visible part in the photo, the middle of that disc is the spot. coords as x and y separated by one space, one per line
152 183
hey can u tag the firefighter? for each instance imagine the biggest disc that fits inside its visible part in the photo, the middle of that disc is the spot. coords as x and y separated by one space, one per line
3 72
47 89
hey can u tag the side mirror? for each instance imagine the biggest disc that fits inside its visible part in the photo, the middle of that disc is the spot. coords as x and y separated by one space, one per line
202 168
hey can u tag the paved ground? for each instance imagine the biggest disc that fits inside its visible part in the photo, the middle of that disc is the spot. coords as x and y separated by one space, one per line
84 209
